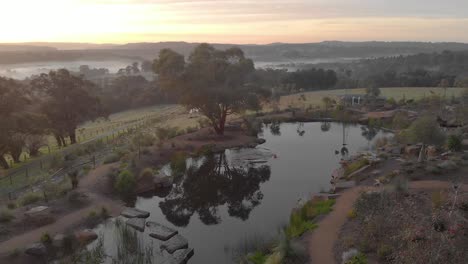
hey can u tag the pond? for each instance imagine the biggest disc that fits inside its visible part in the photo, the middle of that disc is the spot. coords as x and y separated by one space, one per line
225 199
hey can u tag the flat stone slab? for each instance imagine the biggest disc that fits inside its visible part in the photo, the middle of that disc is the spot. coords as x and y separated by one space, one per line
160 232
36 249
182 256
175 243
37 210
135 213
345 184
137 223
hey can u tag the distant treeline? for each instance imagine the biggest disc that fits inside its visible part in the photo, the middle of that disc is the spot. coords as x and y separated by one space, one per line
447 68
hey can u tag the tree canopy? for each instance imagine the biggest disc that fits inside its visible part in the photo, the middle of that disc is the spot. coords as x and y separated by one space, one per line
217 82
67 102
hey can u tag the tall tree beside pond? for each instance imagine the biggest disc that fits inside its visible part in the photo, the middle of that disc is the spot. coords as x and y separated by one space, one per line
217 82
68 102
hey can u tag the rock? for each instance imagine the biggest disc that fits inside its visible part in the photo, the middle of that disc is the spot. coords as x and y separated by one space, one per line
175 243
57 241
347 255
182 256
137 223
376 172
345 184
412 150
38 210
447 165
465 144
260 141
135 213
85 236
36 249
160 232
163 181
431 151
395 151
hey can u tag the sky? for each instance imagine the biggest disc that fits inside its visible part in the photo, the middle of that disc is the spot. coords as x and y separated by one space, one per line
232 21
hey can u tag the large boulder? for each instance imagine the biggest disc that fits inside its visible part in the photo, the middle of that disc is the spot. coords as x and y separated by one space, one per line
137 223
160 232
36 249
447 165
163 181
412 150
37 211
135 213
85 236
175 243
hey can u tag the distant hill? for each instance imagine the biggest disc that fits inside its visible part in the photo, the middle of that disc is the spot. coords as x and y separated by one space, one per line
276 52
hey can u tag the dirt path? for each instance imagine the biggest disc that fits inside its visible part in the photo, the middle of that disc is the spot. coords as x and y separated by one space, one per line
322 240
88 185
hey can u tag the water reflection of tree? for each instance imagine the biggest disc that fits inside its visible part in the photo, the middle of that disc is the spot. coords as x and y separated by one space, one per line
325 126
300 129
211 184
275 128
369 132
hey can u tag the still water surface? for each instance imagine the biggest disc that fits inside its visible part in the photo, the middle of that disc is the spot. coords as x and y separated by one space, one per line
224 199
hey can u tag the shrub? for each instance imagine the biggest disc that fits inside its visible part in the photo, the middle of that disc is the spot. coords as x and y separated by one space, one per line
358 259
352 214
147 173
104 213
144 139
438 199
30 198
205 150
45 238
178 163
401 121
318 207
125 183
384 251
454 143
11 205
426 130
355 166
258 257
6 216
111 158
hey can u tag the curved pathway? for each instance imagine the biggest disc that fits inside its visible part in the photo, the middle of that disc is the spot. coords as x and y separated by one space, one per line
97 201
322 240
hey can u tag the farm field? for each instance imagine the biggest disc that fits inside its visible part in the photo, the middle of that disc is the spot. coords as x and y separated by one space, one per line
315 98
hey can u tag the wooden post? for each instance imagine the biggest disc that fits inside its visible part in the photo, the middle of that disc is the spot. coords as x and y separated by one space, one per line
27 172
42 166
48 148
11 181
94 162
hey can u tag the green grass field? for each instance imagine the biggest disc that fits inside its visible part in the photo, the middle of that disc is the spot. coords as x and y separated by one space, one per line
315 98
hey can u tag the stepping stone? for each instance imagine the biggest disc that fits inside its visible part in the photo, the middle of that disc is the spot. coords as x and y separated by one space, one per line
137 223
181 256
175 243
135 213
36 249
160 232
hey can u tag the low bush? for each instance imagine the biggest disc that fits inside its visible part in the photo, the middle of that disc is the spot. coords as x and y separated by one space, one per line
144 139
147 173
111 158
301 219
46 239
125 183
358 259
352 214
355 166
6 216
30 198
384 251
454 143
11 205
178 163
258 257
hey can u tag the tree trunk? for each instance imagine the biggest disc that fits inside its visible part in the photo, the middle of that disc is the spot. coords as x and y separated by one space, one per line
4 163
34 151
219 128
64 143
72 137
58 138
16 155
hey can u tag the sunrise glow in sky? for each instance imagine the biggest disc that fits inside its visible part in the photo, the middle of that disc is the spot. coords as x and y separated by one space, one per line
232 21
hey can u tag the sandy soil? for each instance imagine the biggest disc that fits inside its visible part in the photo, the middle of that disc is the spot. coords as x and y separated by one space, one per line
322 240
